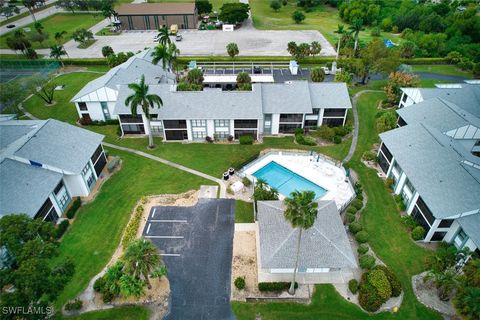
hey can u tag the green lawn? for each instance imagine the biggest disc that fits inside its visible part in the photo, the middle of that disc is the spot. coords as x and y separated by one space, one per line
56 23
446 69
322 18
96 232
243 212
23 15
118 313
217 4
63 109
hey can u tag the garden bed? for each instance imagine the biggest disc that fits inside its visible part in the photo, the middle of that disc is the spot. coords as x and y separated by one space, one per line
428 295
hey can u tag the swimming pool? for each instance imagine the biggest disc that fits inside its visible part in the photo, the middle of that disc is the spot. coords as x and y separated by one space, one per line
286 181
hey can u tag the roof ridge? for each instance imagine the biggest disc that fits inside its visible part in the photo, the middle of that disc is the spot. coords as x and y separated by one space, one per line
282 244
334 245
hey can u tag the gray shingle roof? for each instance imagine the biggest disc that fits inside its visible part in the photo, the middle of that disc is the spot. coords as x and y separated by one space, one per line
129 72
471 225
438 113
60 145
24 188
291 97
333 95
10 134
432 162
325 245
467 97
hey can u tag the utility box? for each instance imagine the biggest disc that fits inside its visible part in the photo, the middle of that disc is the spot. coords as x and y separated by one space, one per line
227 27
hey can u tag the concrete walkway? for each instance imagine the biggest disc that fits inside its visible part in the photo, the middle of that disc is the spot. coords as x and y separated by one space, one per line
223 189
356 124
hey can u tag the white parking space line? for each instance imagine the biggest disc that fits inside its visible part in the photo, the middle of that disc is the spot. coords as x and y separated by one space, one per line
153 213
179 221
165 237
148 228
169 254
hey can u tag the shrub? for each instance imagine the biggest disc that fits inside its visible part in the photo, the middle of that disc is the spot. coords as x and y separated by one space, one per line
274 286
107 296
355 227
325 133
375 32
99 285
317 75
132 227
389 183
240 283
359 197
246 182
367 261
337 139
357 204
230 138
392 278
361 236
476 70
275 5
298 131
73 209
379 280
353 286
61 228
209 139
409 221
306 141
369 155
454 57
363 248
352 209
466 64
298 16
368 296
350 217
246 139
418 233
340 131
74 305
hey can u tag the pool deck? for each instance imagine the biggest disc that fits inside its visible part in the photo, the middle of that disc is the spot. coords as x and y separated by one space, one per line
313 168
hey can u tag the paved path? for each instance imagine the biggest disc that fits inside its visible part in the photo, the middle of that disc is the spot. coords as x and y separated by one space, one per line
223 189
356 124
28 19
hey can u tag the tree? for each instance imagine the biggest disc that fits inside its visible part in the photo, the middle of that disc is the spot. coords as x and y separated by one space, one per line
164 36
298 16
173 53
114 60
141 258
343 76
407 49
234 13
107 9
244 82
262 191
292 48
396 81
131 286
203 6
195 76
315 48
42 88
161 53
83 36
56 52
30 5
38 27
67 5
39 37
340 31
301 211
356 27
232 49
275 5
366 10
18 41
467 302
59 36
375 58
140 97
317 75
386 121
107 51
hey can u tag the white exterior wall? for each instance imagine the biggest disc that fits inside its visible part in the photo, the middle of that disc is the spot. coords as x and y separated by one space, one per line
275 123
95 111
75 185
400 184
189 130
93 103
210 128
413 96
320 116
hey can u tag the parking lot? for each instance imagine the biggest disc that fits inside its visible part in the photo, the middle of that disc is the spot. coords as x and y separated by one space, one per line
196 245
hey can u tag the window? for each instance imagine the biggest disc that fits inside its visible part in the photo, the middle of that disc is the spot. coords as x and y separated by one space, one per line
82 106
334 112
404 98
316 111
445 223
128 118
386 152
90 181
252 133
133 128
409 184
311 124
198 123
106 113
175 124
157 130
291 117
401 122
63 200
47 212
383 162
288 127
438 236
397 168
199 135
98 152
222 123
334 122
245 123
221 135
58 188
425 210
147 22
420 219
460 239
85 170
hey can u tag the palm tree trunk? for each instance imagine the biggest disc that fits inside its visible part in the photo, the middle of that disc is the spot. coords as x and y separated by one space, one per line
291 290
150 134
356 44
149 285
32 14
338 48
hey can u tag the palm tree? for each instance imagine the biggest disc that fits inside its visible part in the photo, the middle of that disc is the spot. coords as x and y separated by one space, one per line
340 30
356 27
141 258
162 53
56 52
164 36
140 97
301 211
59 35
173 53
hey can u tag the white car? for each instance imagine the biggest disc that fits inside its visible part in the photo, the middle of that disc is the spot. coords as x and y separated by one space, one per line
156 38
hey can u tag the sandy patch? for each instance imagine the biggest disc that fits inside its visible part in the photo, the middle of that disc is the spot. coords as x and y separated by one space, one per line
244 264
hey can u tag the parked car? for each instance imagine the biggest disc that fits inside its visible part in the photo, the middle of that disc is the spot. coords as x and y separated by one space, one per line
178 37
326 70
156 38
257 70
10 26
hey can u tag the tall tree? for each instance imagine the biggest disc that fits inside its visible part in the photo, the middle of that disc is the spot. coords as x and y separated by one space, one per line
140 97
356 27
203 6
301 211
232 49
59 36
164 36
56 52
340 31
161 53
30 5
141 258
173 53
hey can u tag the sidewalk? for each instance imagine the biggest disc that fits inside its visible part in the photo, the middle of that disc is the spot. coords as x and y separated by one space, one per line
28 19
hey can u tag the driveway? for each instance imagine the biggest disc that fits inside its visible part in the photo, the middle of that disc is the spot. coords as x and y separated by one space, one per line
196 245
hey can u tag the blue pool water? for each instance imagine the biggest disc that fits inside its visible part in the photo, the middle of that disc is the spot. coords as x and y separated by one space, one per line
286 181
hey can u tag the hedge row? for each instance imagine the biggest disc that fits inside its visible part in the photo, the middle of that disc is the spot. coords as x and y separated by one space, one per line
275 286
132 228
74 208
61 228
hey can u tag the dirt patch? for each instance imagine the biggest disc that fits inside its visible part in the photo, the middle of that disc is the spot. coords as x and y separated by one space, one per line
244 264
